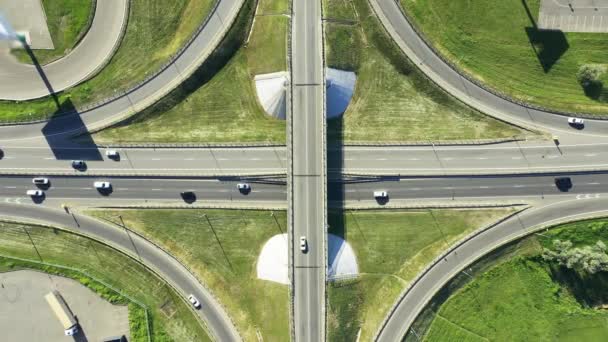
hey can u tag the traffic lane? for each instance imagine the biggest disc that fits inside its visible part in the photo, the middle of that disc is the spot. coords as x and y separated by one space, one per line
439 274
145 189
468 187
245 160
169 268
486 159
430 62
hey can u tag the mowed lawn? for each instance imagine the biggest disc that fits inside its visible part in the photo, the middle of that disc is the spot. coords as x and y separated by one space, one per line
393 101
68 21
171 319
156 30
493 41
221 248
522 298
219 103
391 246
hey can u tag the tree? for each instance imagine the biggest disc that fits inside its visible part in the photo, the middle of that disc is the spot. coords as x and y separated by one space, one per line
590 259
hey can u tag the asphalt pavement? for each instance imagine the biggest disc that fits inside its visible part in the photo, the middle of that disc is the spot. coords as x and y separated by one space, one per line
308 173
22 82
527 222
55 131
161 262
392 17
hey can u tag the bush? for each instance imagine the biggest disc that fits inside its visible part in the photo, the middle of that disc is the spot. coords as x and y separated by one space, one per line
590 74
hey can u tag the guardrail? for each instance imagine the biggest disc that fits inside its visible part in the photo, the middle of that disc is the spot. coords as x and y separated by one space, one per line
478 83
434 262
125 93
324 175
145 238
516 237
289 145
87 274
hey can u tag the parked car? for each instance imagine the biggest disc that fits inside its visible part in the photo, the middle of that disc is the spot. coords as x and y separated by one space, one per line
102 185
35 193
40 181
303 244
194 301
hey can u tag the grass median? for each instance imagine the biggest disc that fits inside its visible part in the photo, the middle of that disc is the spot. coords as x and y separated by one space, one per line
392 247
221 247
68 21
170 317
515 295
393 100
218 104
156 30
497 43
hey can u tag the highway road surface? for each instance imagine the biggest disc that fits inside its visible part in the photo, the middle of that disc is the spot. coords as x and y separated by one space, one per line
356 190
440 273
164 264
308 173
142 96
391 15
534 156
25 81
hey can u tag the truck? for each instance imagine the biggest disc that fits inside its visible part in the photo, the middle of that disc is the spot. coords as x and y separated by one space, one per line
63 312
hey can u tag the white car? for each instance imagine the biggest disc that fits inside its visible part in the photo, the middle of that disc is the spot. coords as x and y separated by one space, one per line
303 243
40 181
380 194
102 185
112 154
243 187
35 193
576 121
194 301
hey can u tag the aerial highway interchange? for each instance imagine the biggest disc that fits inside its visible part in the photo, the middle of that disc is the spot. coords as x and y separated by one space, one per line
304 176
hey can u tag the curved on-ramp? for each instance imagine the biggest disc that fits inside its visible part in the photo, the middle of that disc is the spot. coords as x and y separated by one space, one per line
22 82
113 110
147 253
434 67
422 290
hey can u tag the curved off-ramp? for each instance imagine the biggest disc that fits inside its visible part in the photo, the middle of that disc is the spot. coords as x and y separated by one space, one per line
173 74
24 81
147 253
439 71
414 299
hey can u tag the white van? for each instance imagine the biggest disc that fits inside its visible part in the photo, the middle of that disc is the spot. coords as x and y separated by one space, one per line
35 193
380 194
102 185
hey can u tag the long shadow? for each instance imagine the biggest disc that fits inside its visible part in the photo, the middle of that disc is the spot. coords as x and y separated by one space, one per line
336 194
62 148
548 45
588 290
41 72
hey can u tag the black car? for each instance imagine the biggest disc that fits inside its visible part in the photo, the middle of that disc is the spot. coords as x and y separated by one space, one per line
79 164
563 183
188 196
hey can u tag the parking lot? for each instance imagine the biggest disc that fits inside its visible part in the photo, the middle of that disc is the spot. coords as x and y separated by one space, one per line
26 316
574 15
